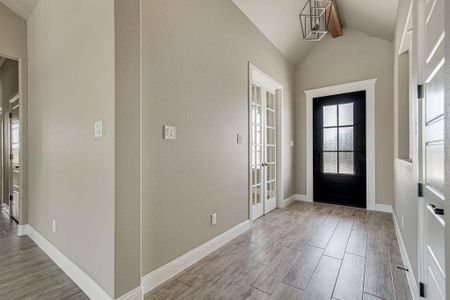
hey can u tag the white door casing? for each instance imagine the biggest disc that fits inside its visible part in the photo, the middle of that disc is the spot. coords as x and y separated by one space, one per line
265 140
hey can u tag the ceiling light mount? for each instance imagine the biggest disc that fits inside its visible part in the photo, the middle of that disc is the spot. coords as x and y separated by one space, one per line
315 18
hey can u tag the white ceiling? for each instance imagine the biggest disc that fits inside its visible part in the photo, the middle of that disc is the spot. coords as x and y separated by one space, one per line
23 8
279 21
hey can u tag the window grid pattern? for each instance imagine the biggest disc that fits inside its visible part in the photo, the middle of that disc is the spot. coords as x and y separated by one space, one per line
338 148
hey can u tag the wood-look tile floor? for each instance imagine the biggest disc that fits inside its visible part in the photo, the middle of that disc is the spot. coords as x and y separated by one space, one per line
26 272
305 251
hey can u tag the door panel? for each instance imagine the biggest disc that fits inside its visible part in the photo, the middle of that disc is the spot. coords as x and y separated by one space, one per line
433 147
263 150
339 149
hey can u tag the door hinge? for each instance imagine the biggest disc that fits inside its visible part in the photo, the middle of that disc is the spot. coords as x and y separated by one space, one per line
420 189
421 289
11 156
10 197
420 91
10 115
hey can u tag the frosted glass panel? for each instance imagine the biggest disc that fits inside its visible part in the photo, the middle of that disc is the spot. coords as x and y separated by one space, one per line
330 115
346 114
346 139
330 162
346 163
330 139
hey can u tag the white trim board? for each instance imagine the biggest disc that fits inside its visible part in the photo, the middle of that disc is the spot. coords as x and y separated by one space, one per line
81 279
169 270
257 75
410 275
136 294
369 87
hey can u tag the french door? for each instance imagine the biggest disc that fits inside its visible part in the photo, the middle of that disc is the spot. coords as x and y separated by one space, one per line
432 19
14 165
263 149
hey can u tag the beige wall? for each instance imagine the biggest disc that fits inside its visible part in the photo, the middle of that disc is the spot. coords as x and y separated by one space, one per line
195 76
350 58
128 163
13 37
72 175
405 175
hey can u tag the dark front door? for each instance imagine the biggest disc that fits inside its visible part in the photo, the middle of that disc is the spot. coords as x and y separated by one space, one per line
340 149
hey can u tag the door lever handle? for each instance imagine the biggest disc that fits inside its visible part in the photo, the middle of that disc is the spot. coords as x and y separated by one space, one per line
437 211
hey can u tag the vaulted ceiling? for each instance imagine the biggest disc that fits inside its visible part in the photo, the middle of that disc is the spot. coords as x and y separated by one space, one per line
279 21
23 8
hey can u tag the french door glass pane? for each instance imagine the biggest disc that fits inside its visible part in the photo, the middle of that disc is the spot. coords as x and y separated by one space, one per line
330 139
346 163
346 138
346 114
330 115
330 162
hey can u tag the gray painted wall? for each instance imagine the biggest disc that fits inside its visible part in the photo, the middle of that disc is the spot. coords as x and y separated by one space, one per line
406 173
350 58
195 76
128 146
72 174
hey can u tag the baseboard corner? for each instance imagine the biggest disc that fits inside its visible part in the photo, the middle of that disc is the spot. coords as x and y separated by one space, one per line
174 267
136 294
413 287
302 197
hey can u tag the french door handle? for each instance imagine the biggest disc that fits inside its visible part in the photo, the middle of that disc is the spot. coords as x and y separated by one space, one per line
437 211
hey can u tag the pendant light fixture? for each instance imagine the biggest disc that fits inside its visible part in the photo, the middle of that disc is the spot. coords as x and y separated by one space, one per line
315 18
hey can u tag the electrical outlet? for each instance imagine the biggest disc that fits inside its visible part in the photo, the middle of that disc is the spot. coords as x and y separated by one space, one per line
54 225
98 129
170 132
403 221
213 218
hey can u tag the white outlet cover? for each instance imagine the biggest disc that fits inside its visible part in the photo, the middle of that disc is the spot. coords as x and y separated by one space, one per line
213 218
292 143
98 129
54 225
170 132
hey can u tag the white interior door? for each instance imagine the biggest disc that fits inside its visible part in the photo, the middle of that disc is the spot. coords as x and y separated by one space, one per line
433 149
263 143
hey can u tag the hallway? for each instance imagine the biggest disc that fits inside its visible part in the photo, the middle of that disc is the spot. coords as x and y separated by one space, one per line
305 251
27 272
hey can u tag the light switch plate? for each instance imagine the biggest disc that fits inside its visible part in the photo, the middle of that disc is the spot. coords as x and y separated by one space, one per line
213 218
292 143
170 132
98 129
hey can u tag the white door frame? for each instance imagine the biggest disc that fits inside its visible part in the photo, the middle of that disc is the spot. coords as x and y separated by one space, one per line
256 74
369 87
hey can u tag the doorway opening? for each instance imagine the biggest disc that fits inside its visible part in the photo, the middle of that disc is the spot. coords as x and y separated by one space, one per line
10 138
367 87
265 143
339 145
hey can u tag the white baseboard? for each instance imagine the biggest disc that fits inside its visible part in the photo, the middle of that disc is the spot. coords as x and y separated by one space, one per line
287 201
169 270
84 282
410 275
383 208
22 230
302 197
136 294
